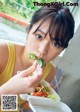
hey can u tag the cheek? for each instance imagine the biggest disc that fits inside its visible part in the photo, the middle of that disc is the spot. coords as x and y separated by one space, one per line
32 44
53 54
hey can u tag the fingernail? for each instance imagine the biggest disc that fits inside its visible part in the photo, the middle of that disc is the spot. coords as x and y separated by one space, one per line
35 62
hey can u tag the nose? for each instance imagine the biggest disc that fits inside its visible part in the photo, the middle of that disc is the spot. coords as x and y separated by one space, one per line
43 48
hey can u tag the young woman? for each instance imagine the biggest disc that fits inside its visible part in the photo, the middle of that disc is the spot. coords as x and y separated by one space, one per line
49 33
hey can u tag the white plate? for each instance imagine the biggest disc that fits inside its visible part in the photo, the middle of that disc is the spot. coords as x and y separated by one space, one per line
37 106
40 104
52 91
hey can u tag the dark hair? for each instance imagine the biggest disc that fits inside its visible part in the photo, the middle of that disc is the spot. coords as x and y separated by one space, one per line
61 23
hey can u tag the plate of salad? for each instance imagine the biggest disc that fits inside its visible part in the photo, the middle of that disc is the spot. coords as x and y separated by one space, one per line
43 91
49 102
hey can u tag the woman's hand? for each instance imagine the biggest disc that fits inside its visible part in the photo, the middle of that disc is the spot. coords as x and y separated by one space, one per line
23 82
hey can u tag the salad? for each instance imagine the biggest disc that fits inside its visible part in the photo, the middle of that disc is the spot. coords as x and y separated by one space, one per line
40 90
43 91
39 61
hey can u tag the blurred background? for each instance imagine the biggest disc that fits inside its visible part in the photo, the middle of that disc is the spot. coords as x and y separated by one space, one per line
15 16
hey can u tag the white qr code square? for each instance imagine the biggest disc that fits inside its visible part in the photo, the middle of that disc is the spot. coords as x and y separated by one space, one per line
9 102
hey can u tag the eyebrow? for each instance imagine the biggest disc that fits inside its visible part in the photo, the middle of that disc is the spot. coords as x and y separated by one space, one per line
41 31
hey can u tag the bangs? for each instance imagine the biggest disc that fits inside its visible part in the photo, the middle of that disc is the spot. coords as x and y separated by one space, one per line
58 29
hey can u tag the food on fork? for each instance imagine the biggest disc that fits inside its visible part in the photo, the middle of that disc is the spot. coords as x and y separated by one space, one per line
39 61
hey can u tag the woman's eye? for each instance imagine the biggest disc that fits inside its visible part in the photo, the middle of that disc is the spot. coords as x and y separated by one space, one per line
38 36
56 44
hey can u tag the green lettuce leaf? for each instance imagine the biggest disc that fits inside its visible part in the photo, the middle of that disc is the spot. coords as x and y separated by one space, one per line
39 61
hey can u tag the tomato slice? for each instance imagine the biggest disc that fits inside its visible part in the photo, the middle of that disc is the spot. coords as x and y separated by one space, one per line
40 93
37 93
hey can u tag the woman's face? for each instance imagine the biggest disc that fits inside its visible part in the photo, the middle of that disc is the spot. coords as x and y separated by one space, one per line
41 45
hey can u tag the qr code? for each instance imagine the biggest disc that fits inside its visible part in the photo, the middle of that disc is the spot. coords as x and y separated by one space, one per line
9 102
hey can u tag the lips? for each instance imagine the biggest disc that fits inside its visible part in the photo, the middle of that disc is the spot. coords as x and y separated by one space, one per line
39 56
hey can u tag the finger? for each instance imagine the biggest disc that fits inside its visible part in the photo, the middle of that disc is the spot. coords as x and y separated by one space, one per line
30 70
34 79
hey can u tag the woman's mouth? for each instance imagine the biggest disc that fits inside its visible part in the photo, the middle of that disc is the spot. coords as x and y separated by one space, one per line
40 61
39 56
